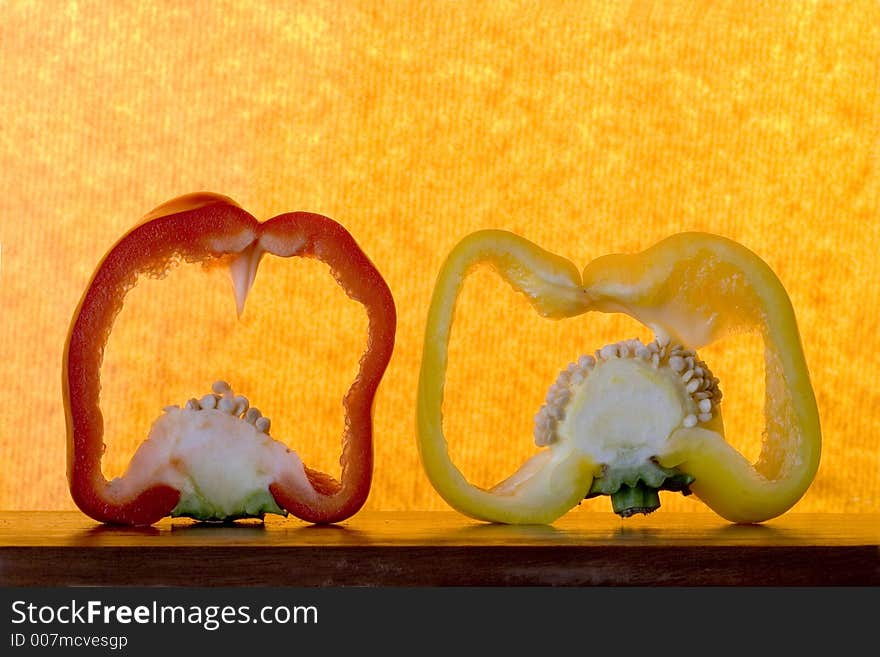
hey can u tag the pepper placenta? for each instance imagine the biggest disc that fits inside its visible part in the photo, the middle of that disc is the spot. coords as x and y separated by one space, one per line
635 418
206 228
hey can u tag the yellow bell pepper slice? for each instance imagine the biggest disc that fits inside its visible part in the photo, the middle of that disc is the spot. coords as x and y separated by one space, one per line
691 289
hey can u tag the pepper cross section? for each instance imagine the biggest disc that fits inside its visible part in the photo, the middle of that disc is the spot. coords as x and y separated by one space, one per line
213 458
632 418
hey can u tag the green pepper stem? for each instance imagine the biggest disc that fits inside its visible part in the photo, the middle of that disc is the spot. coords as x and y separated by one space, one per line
629 500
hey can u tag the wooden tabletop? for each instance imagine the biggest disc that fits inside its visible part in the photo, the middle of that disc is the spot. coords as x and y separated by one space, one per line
443 549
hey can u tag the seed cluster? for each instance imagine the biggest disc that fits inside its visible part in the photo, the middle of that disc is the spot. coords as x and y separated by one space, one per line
696 378
224 399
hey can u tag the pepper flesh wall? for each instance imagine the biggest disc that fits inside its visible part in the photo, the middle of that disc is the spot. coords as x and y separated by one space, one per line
634 419
213 459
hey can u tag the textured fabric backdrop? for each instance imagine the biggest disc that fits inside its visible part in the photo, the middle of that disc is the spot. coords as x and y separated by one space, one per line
587 127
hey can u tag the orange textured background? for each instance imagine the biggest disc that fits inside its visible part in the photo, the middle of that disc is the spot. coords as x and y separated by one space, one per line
587 127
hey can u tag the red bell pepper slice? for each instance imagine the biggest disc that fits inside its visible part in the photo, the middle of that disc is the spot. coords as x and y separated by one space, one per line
199 228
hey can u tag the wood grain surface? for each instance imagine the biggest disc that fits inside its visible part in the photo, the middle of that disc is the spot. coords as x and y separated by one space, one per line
443 549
